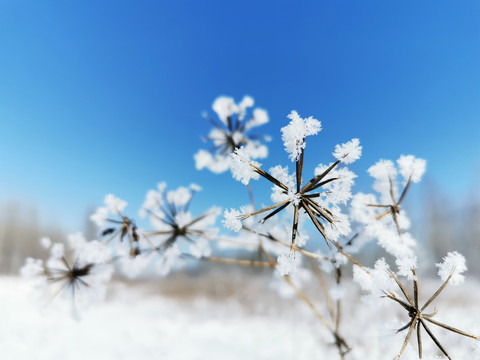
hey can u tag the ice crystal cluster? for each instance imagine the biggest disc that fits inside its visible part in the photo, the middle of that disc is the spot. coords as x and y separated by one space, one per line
80 274
232 130
384 219
175 227
312 228
320 199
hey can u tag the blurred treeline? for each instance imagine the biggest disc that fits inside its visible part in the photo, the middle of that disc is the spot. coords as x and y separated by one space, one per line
441 225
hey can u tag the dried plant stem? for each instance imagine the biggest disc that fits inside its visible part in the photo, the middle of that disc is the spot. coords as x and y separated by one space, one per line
300 250
340 249
237 261
342 346
235 242
250 195
334 310
451 328
324 286
338 278
299 292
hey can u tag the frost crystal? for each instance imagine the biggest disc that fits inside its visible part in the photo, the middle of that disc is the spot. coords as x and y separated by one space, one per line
293 135
100 216
260 117
225 107
93 252
179 197
33 267
406 265
174 223
232 221
195 187
385 220
286 264
453 264
241 168
166 263
84 279
114 204
348 152
376 282
410 166
57 251
231 133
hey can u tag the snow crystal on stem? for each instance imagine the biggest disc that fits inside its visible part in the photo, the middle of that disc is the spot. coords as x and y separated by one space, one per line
411 167
93 252
453 264
114 204
232 221
57 251
286 264
166 263
293 135
260 117
195 187
180 196
33 267
348 152
376 282
202 159
225 107
100 216
200 248
241 168
406 265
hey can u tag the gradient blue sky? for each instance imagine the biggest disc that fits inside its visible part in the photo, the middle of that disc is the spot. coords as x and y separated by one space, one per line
106 96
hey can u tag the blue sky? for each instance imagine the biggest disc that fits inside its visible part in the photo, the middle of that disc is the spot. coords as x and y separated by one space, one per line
105 97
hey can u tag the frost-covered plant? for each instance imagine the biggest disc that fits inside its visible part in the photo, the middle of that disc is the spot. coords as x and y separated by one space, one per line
172 221
321 207
120 225
385 220
232 132
80 275
453 265
177 234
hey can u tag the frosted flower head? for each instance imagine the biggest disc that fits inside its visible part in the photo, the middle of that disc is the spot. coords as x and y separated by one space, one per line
452 267
32 268
348 152
170 216
81 273
406 265
385 174
113 206
411 167
290 192
286 264
418 314
231 220
293 135
243 168
232 132
118 225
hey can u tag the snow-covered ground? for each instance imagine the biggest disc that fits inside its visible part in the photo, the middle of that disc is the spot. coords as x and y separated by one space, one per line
217 315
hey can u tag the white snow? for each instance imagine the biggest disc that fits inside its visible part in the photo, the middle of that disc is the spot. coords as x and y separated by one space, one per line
218 315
